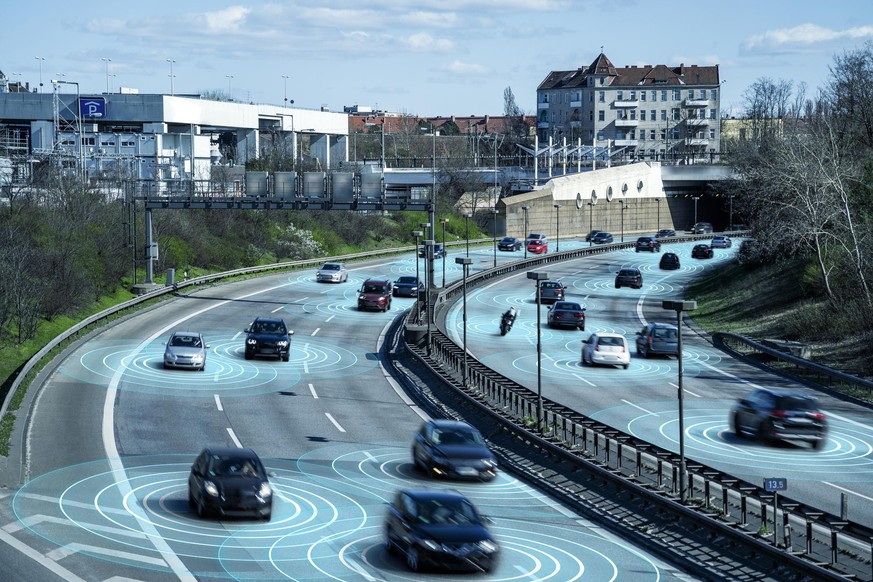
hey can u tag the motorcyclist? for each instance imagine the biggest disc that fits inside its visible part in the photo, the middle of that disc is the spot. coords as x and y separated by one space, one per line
507 320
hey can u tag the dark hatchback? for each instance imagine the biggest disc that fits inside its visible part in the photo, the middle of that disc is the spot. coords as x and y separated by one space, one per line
509 243
229 482
629 277
648 243
602 238
440 529
669 261
590 236
701 252
449 448
406 286
567 314
551 291
439 251
665 232
785 415
375 294
268 336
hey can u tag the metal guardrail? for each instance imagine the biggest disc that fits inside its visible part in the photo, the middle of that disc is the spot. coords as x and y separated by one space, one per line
813 540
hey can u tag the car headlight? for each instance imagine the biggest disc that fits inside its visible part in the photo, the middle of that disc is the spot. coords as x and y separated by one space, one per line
361 297
251 341
488 546
210 488
413 288
265 491
282 343
429 544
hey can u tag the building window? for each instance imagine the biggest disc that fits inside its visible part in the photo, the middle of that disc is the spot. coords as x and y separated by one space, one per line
128 144
591 116
601 116
714 94
619 95
676 115
642 95
712 113
633 114
663 115
642 135
664 95
632 134
601 96
654 115
663 135
652 134
712 133
691 93
654 95
677 95
642 114
633 95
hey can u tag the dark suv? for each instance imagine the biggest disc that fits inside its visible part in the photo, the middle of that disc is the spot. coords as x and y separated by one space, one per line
648 243
375 294
630 277
658 338
230 482
788 415
268 336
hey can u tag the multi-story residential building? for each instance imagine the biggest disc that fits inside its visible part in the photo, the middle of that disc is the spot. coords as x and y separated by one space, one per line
640 112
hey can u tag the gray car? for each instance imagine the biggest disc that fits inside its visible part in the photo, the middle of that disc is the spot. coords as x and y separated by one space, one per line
332 273
658 338
186 349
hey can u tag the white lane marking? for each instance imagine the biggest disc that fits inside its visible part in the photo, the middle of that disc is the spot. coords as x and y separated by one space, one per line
401 393
317 329
312 391
305 362
278 309
335 423
236 335
848 491
729 375
639 407
218 403
584 380
370 457
71 549
43 561
235 440
329 318
849 420
686 390
640 315
30 521
298 300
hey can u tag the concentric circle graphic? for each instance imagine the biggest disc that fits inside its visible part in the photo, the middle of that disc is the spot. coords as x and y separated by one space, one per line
327 521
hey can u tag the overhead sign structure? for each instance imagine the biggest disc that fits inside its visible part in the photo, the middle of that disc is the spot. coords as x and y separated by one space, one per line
92 107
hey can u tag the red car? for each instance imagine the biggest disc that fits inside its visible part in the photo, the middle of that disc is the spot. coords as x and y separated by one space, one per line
537 247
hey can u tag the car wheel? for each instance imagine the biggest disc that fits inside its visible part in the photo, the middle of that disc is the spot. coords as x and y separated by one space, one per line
412 559
735 425
818 445
625 366
203 368
267 516
638 250
191 502
286 357
617 286
201 509
248 355
644 353
390 546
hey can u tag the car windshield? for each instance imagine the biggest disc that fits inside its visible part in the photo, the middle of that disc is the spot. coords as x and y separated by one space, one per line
457 437
446 512
234 467
611 341
549 285
270 327
664 333
330 267
795 403
627 273
406 280
508 239
567 306
374 288
189 341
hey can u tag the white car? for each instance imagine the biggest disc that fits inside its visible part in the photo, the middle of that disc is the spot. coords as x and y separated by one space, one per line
332 273
186 349
606 348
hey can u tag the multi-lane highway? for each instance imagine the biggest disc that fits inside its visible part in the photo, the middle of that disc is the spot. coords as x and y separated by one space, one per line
642 400
111 436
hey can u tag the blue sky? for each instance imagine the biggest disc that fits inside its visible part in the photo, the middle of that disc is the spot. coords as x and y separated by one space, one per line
421 57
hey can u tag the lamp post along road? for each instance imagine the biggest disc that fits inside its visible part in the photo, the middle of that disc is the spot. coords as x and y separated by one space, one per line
465 264
590 222
679 307
524 209
494 232
107 61
538 276
171 61
428 254
417 234
444 221
40 59
696 198
557 228
467 217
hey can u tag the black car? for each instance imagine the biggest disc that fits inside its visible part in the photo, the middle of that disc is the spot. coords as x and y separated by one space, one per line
439 251
629 277
669 261
439 528
449 448
665 232
787 415
658 339
592 234
406 286
230 482
602 238
567 314
648 243
510 243
551 291
268 336
701 251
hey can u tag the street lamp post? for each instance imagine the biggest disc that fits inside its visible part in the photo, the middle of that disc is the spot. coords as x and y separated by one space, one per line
695 198
467 217
285 80
229 87
424 226
557 228
730 211
428 254
417 234
40 59
172 76
465 264
590 222
107 61
658 219
538 276
679 307
624 207
444 222
494 232
524 209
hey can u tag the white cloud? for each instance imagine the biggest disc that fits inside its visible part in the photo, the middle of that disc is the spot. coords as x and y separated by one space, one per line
802 37
456 67
230 19
424 42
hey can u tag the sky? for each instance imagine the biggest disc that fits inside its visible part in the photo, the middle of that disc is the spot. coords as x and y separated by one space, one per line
417 57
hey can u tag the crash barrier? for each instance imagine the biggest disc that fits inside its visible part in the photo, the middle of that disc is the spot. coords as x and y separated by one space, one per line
811 539
758 352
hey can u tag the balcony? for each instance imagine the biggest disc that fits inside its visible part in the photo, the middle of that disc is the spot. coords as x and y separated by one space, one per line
575 104
626 122
696 141
626 142
626 104
542 105
697 121
696 103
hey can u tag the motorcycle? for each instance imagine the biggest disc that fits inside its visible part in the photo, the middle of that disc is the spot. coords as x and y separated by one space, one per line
507 320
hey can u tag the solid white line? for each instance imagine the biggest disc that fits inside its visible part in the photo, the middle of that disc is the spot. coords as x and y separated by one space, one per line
317 329
278 309
848 491
300 299
218 403
312 391
329 318
401 393
584 380
686 390
233 438
335 423
639 407
849 420
70 549
46 563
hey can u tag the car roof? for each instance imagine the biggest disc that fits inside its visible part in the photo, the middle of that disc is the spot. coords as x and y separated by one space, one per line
626 270
406 278
376 282
645 238
331 263
427 494
187 333
608 334
566 305
660 324
788 392
270 319
446 424
232 452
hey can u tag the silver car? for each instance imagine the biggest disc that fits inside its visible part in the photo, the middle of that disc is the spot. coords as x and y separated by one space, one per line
186 349
332 273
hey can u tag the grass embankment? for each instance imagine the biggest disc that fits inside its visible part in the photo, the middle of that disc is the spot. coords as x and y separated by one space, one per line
783 301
